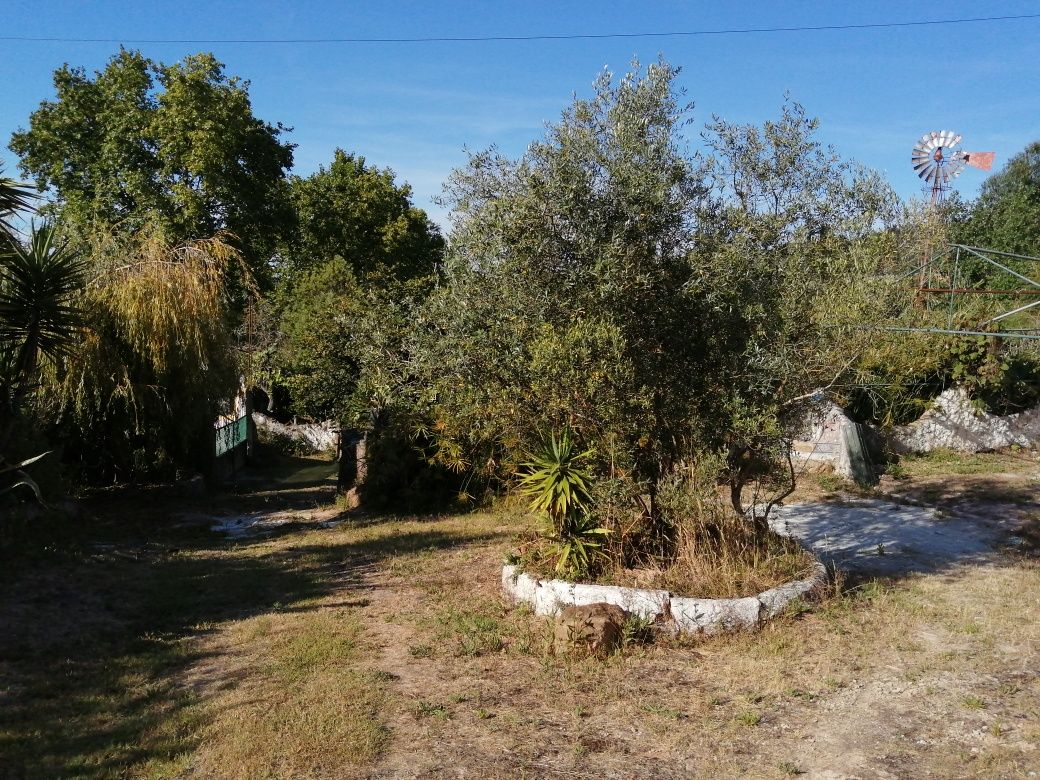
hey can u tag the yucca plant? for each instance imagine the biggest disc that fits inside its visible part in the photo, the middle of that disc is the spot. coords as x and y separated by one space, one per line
37 317
559 489
578 549
14 197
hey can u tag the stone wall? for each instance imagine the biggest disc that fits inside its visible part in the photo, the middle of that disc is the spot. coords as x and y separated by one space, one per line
684 615
954 423
313 438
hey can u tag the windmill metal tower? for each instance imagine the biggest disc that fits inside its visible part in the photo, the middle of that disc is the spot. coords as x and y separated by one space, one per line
940 278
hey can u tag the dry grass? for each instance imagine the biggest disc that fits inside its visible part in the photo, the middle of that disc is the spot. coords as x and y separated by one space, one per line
381 648
318 725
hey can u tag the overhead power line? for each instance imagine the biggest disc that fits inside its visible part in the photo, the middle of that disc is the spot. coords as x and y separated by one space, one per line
507 38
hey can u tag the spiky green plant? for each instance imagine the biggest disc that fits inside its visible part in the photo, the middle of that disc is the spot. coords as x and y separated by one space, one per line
14 197
556 483
38 281
37 315
559 489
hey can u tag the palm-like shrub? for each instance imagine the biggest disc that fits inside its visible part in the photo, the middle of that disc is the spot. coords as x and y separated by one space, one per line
559 489
14 197
38 281
37 316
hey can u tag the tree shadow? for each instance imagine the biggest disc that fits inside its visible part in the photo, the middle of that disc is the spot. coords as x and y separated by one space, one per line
982 490
97 630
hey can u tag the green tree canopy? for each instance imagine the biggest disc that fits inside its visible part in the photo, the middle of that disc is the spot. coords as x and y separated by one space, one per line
660 304
155 362
142 142
358 213
361 256
1006 215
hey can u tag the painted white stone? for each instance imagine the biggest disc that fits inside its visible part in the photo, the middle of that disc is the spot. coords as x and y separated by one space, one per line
525 588
509 575
552 595
689 615
712 616
776 599
644 603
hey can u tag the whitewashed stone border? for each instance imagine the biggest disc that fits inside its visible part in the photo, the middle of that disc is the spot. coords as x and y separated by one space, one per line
686 615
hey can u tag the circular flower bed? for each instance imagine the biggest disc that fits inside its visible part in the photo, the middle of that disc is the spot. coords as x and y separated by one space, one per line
683 614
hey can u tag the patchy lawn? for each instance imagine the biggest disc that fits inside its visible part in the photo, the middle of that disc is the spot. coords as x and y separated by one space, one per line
138 643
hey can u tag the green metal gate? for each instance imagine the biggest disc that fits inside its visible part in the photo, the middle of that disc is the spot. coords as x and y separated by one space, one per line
230 435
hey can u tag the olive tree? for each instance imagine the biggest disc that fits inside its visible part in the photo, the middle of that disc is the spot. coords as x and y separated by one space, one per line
663 305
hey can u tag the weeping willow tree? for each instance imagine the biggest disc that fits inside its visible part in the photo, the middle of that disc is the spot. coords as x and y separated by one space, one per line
156 360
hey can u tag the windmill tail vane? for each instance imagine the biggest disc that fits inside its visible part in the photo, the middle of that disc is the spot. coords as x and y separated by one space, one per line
981 160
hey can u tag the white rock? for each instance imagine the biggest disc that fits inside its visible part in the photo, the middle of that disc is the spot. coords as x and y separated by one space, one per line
776 599
644 603
551 595
711 616
953 422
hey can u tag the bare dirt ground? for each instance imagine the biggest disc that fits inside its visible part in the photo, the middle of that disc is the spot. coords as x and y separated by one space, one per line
321 643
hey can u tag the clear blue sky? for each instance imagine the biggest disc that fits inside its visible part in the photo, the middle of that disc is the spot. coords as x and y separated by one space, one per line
414 107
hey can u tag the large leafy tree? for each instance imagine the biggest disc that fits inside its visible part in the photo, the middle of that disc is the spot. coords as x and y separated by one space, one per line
155 361
178 145
664 306
362 254
357 212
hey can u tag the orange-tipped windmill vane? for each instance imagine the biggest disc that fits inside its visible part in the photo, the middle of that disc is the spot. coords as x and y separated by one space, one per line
938 161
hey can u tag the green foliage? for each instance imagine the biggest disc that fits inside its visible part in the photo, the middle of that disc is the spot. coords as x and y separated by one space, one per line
579 549
658 304
557 485
141 143
314 358
361 261
1005 215
38 319
559 491
155 363
14 197
37 313
356 212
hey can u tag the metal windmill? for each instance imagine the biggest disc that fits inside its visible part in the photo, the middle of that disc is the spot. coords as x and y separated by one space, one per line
940 276
938 161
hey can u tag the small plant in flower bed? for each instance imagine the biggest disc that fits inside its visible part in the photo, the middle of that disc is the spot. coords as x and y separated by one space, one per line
558 487
707 550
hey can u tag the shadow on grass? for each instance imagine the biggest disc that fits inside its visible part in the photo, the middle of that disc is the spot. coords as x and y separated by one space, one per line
96 631
969 490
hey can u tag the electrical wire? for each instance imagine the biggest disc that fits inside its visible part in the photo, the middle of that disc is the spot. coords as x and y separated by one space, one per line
521 38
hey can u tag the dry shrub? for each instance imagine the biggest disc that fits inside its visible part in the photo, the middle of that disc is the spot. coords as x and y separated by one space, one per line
710 551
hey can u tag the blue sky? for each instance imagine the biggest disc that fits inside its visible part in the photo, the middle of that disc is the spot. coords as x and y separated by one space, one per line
415 107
